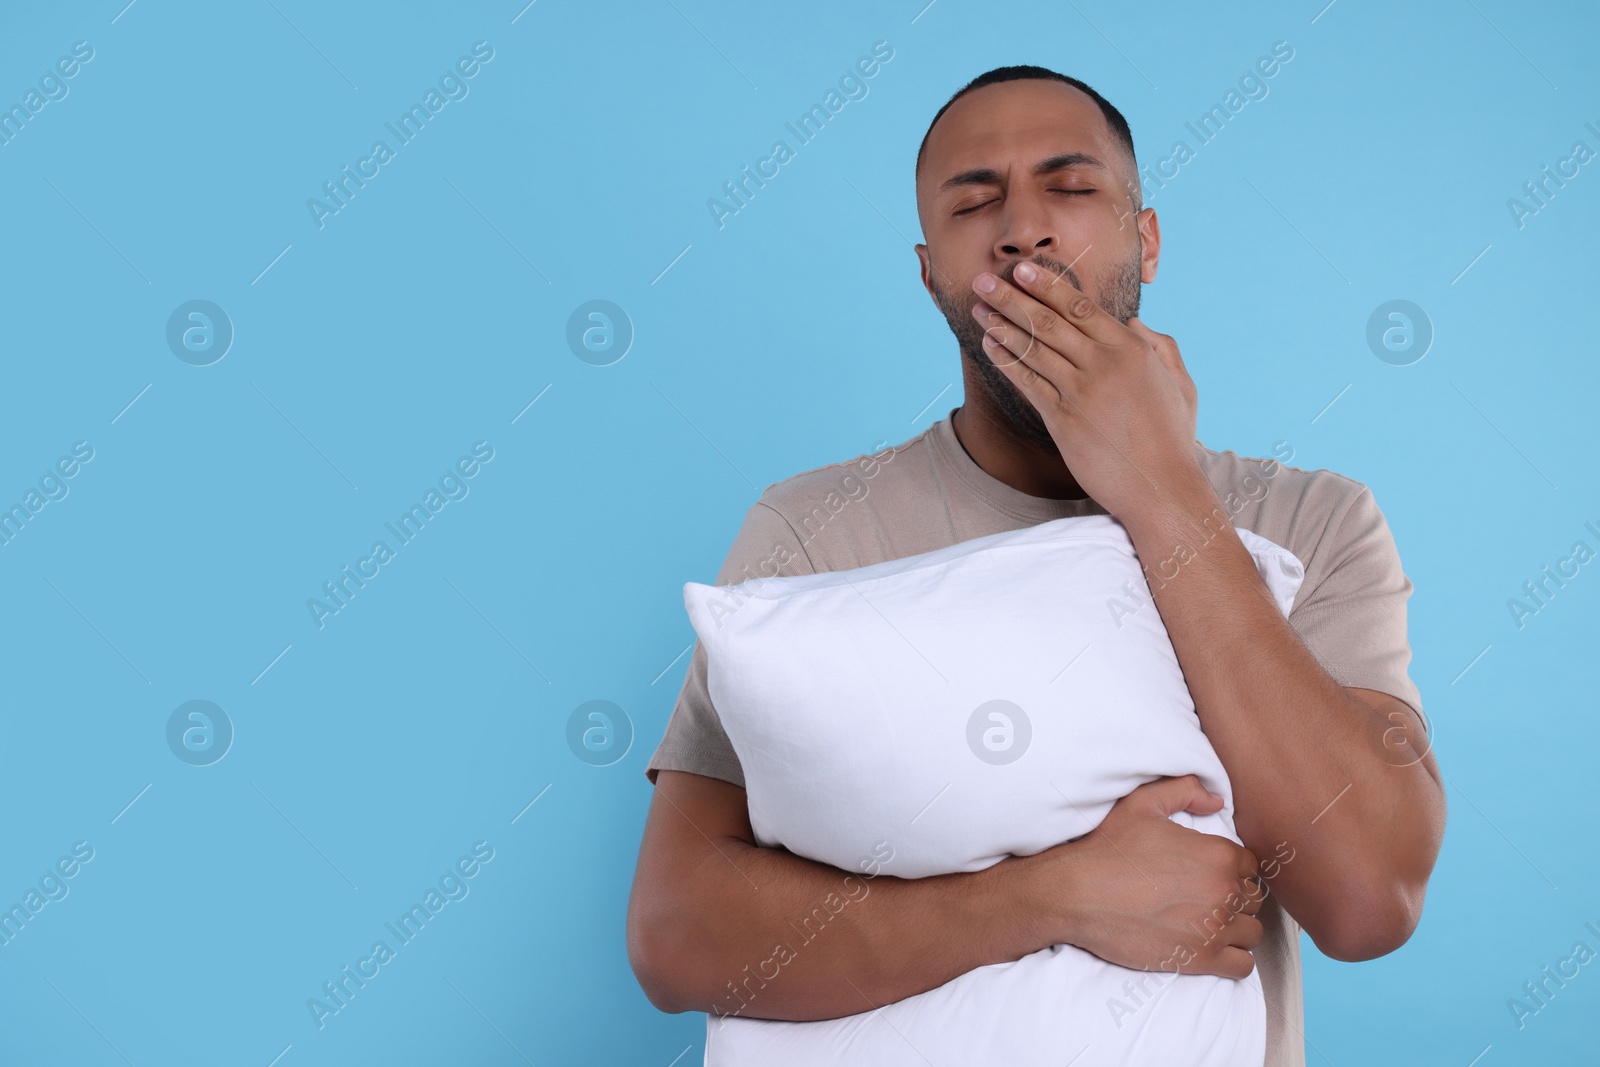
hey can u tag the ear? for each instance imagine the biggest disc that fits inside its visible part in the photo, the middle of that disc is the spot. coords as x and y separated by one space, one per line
1150 242
926 262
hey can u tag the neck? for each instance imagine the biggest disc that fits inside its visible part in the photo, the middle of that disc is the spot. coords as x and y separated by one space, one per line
1007 457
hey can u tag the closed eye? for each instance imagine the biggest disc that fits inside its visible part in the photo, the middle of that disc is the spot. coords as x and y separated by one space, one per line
986 203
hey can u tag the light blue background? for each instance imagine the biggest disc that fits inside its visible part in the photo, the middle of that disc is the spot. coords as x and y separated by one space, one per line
428 313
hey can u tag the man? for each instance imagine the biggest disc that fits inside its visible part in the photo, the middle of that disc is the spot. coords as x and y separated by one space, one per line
1037 243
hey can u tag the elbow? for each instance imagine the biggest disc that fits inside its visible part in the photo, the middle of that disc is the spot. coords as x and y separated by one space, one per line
657 990
1369 924
652 950
1374 905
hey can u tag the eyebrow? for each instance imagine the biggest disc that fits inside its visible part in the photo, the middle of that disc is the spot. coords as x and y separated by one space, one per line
990 176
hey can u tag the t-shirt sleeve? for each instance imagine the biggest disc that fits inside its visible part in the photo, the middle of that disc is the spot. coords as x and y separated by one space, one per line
766 546
1353 613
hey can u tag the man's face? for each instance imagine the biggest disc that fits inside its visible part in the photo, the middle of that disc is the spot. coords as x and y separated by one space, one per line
985 206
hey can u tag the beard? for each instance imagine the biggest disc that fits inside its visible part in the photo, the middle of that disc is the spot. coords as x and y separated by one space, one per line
1119 289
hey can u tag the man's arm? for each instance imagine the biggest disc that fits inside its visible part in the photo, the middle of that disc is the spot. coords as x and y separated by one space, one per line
718 924
1296 744
1342 774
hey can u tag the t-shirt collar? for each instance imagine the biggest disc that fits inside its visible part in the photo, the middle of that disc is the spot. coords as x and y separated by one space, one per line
1035 509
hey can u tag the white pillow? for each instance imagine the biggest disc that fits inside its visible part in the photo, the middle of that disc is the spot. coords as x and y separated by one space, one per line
991 698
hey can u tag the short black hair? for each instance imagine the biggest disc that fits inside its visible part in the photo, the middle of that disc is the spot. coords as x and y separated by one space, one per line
1114 119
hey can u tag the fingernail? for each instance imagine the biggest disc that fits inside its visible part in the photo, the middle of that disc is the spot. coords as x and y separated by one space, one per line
1027 271
985 283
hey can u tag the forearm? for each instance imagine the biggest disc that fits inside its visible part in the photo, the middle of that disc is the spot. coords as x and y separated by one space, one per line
1297 746
730 928
894 939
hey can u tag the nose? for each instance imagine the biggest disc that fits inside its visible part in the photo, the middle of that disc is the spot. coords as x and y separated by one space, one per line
1026 228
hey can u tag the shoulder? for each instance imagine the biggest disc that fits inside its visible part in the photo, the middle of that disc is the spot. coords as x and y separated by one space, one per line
817 497
799 493
844 514
1304 510
1230 467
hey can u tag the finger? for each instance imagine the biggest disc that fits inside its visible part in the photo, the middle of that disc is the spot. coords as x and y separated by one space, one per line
1020 358
1244 931
1019 346
1076 308
1164 345
1257 887
1167 349
1232 962
1157 340
1168 796
1053 328
1246 862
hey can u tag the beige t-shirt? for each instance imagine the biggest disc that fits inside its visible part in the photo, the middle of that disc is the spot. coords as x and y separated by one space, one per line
928 493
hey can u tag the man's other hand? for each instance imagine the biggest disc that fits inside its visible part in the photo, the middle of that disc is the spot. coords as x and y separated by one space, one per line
1146 893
